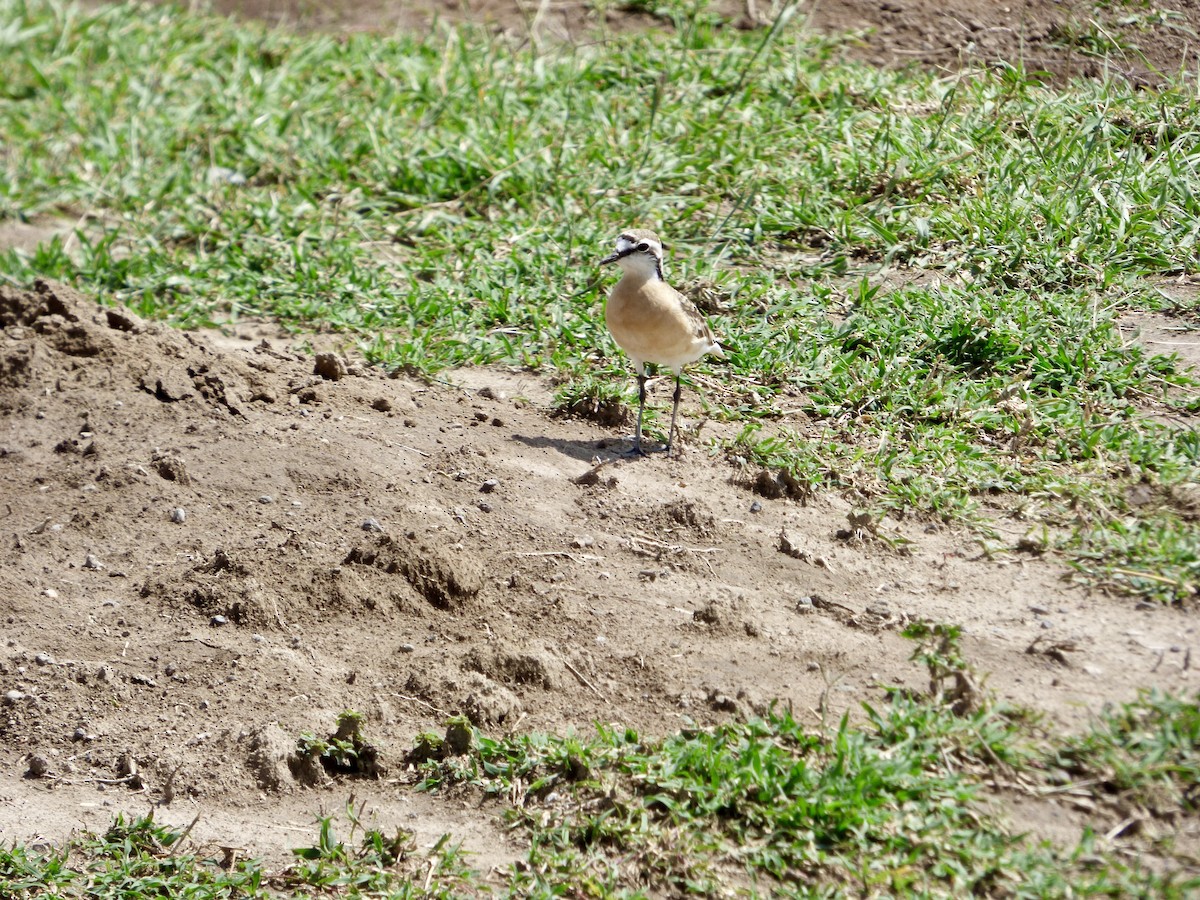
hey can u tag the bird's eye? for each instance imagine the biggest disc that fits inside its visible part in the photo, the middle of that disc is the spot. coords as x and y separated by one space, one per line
644 247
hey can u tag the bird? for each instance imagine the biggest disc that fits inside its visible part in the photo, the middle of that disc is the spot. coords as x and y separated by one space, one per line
651 321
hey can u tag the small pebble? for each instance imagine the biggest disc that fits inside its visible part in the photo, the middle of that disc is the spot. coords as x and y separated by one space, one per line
80 734
51 593
90 562
178 515
265 499
218 621
12 698
38 766
755 507
484 506
583 542
381 404
490 485
43 659
406 648
372 525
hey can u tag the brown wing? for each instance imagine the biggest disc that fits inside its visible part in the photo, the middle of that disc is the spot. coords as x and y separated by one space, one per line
700 326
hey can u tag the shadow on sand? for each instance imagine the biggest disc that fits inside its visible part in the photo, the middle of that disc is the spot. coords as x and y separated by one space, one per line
585 451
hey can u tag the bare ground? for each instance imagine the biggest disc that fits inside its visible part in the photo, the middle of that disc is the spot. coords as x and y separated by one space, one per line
414 551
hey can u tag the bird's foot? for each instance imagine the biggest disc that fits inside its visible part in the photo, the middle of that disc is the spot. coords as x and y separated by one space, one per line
640 450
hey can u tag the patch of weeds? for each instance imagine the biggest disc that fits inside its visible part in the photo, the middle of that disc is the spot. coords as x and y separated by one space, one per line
893 808
946 402
377 864
1142 758
602 400
978 731
445 760
345 752
951 679
1156 556
682 14
139 858
133 858
1090 38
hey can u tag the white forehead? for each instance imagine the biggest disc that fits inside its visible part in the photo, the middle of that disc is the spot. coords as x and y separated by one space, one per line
627 242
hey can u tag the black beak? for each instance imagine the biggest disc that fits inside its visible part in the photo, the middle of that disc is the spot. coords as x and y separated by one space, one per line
620 254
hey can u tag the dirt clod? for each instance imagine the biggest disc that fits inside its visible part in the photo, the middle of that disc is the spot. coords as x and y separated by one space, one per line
271 757
170 467
38 766
446 581
458 739
330 366
774 485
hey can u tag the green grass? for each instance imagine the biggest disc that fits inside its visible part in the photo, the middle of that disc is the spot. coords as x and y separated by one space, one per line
764 807
140 858
444 199
1145 753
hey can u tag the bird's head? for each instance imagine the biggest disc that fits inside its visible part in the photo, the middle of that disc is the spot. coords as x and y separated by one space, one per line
638 251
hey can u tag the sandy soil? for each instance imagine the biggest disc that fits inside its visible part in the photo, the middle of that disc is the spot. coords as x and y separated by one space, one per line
210 550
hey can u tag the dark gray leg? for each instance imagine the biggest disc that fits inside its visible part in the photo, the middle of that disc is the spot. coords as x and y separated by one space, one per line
637 435
674 412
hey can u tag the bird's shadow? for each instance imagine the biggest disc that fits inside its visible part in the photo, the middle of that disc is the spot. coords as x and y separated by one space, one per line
583 450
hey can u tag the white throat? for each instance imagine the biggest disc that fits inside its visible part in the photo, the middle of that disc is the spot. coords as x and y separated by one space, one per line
639 265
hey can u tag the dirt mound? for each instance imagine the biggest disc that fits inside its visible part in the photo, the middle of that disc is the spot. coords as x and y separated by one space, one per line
211 552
